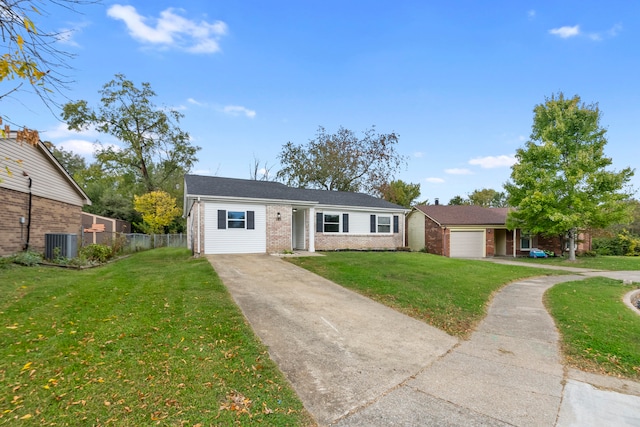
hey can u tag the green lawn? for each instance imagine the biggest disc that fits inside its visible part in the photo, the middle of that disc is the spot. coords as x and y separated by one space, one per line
599 332
450 294
153 339
597 263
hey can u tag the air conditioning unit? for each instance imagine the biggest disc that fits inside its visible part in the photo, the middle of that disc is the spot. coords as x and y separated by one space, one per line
67 244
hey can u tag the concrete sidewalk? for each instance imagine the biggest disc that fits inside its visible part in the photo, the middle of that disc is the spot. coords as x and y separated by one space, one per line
354 362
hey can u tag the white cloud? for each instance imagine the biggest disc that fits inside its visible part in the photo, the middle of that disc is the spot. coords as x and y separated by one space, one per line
237 110
171 29
65 36
434 180
194 102
531 14
83 143
61 131
490 162
418 154
458 171
612 32
566 31
78 146
615 30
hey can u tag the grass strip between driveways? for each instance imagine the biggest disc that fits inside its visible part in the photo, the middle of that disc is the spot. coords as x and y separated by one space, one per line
450 294
153 339
599 333
612 263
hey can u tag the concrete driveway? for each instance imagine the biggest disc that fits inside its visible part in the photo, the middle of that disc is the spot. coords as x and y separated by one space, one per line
340 350
354 362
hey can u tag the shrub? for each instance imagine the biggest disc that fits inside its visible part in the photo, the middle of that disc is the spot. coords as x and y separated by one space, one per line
624 243
96 252
588 254
28 258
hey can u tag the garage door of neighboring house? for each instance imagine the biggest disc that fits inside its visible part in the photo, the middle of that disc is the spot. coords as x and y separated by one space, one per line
234 229
467 244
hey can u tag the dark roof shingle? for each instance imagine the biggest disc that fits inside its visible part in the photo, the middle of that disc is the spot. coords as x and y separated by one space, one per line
465 214
231 187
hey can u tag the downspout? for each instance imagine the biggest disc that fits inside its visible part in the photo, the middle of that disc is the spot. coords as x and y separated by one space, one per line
198 226
26 245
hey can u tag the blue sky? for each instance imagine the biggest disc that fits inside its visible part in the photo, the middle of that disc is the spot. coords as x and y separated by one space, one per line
457 81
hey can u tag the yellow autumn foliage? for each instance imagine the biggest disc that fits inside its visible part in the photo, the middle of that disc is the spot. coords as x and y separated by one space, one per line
158 209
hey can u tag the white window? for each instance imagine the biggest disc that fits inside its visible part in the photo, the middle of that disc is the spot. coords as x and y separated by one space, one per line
331 223
236 219
525 242
384 224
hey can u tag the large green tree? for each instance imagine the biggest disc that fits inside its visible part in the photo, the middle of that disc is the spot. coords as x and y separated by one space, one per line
561 182
459 201
400 192
154 149
342 161
488 198
72 162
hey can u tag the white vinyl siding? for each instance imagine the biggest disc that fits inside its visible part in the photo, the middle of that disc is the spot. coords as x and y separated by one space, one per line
234 240
467 244
47 179
416 231
359 222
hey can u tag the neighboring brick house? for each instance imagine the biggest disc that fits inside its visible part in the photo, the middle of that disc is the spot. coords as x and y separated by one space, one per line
226 215
37 196
475 232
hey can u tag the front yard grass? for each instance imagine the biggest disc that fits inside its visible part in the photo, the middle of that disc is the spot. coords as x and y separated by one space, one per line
450 294
599 333
154 339
613 263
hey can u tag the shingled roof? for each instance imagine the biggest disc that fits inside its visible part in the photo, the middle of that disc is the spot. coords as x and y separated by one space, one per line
465 214
199 185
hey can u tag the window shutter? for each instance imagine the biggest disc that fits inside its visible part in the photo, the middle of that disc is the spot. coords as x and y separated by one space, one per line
396 224
251 220
345 223
222 219
373 223
319 222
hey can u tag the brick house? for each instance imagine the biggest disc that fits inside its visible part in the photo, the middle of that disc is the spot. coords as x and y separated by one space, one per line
226 215
38 196
475 232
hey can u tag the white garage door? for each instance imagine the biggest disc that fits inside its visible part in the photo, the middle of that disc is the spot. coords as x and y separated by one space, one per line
234 229
467 244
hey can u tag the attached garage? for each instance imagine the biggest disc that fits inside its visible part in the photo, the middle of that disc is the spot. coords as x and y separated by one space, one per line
234 228
467 244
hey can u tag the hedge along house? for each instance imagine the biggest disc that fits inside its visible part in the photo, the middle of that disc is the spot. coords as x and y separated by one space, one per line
226 215
38 196
475 232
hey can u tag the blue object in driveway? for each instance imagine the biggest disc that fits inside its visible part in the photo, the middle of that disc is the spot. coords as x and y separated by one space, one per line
537 253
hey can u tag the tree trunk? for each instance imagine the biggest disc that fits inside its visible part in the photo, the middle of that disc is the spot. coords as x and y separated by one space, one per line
572 244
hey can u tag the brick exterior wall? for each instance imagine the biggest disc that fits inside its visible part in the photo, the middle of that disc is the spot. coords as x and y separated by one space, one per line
434 238
279 232
192 229
47 216
345 241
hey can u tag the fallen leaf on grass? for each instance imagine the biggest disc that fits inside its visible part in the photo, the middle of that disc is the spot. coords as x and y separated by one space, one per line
236 402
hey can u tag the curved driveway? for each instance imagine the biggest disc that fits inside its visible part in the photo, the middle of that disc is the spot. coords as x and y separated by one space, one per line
354 362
